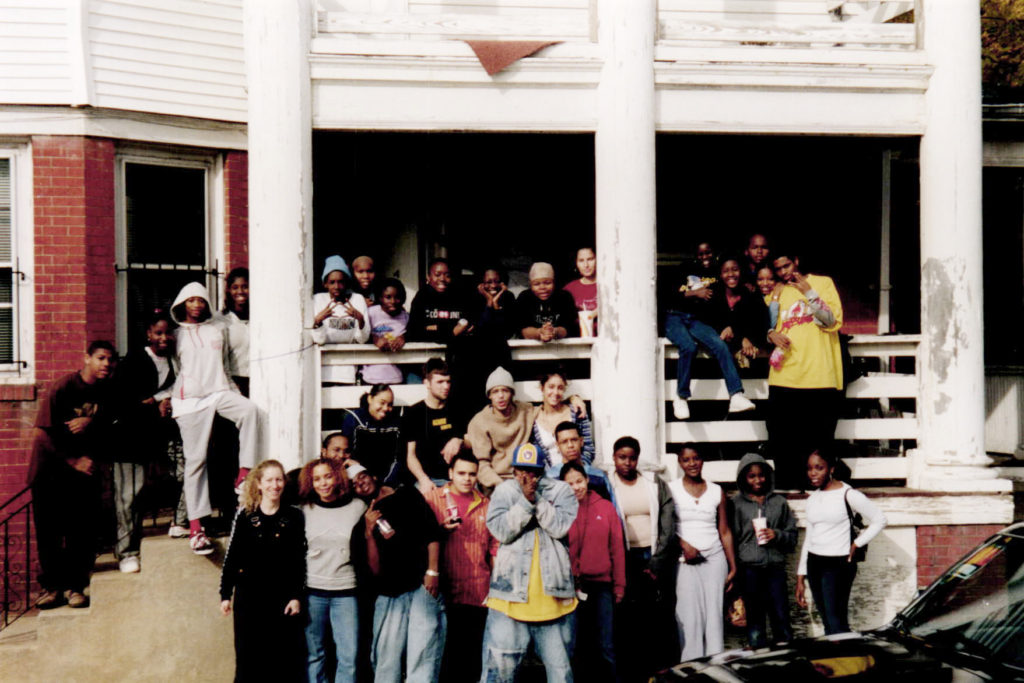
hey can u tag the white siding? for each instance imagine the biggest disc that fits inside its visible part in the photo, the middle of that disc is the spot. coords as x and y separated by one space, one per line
35 64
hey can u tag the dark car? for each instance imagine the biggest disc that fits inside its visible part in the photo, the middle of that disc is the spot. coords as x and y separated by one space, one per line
967 626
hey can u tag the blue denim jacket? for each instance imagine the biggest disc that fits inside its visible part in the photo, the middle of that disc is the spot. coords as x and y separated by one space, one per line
515 521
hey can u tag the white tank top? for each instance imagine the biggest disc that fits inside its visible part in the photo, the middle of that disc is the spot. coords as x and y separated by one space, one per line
697 517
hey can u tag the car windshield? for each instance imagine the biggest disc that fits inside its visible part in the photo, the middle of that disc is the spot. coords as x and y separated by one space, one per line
977 607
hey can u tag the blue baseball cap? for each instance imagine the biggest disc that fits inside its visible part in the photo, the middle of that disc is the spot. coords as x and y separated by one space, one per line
527 456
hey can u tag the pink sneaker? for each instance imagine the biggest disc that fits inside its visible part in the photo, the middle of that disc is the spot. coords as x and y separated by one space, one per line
200 544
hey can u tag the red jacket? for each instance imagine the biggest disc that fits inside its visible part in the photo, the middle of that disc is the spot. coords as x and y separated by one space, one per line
596 546
467 551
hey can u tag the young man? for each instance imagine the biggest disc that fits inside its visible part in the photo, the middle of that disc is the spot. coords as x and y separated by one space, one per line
496 431
71 432
335 446
805 391
532 594
468 550
545 313
432 432
403 553
685 327
570 445
647 625
365 273
755 258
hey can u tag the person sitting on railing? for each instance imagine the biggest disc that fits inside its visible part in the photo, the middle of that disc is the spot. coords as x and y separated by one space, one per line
496 431
584 290
364 272
341 317
387 322
432 433
805 383
375 434
755 257
70 432
545 313
438 314
553 411
739 315
686 324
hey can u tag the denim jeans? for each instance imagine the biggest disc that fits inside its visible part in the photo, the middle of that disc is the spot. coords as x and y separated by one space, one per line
129 478
508 640
831 579
684 330
337 617
767 600
593 650
412 625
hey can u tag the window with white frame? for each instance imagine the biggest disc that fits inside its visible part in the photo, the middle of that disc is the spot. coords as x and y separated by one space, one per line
15 289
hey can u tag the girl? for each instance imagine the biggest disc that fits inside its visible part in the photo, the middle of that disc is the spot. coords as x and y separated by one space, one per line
770 289
827 556
708 565
340 318
584 290
265 569
202 391
598 555
738 314
374 435
331 516
236 319
387 322
554 410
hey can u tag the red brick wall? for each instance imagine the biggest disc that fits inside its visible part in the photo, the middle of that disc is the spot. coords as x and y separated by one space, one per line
236 202
940 546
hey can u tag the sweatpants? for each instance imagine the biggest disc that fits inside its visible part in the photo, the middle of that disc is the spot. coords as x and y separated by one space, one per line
700 594
195 428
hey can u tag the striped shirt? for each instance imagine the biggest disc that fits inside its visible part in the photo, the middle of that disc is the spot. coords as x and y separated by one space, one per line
468 550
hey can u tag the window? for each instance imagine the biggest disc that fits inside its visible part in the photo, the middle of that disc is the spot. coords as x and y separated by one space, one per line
15 265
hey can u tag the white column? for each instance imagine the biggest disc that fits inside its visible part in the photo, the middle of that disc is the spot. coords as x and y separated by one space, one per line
627 399
277 35
951 408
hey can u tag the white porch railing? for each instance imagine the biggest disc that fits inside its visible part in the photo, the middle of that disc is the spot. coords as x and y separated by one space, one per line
881 386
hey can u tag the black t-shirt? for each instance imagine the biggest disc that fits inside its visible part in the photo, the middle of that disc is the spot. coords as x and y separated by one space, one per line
70 397
403 557
559 310
431 429
434 315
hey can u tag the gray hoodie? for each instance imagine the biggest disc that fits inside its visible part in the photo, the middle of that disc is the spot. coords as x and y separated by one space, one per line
202 351
775 509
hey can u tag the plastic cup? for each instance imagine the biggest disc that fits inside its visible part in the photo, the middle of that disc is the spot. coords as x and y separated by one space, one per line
760 523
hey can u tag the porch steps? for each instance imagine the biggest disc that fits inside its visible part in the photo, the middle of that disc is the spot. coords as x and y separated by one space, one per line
162 624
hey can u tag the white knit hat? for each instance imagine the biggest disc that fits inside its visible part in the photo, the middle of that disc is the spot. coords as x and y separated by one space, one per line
500 378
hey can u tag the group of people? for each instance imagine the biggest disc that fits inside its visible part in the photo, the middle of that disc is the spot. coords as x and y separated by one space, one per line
448 541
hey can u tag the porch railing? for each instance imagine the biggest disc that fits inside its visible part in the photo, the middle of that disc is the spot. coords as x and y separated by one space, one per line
878 394
18 569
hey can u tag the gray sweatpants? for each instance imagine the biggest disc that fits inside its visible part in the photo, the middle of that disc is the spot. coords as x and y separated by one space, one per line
129 478
700 598
195 428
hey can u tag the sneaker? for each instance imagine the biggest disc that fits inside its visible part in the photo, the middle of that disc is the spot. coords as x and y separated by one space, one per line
200 544
77 600
50 599
681 409
739 403
178 531
129 565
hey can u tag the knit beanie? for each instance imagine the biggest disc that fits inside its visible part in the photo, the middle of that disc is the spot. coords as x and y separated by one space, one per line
500 378
541 270
334 263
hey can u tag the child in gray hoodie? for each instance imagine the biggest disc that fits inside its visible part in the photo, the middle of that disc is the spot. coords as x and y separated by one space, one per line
764 530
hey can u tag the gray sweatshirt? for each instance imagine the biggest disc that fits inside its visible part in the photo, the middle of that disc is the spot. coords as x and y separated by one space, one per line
775 509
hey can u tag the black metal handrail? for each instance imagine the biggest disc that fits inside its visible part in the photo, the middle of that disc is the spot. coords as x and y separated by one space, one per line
17 539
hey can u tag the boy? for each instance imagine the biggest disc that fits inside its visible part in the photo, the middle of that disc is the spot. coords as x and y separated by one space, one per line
70 433
755 257
433 434
689 307
364 272
764 530
499 428
544 313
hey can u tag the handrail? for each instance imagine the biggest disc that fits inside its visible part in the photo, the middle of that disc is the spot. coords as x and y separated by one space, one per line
13 498
16 577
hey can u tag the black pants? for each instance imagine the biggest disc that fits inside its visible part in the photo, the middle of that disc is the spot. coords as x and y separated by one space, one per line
269 645
645 624
766 597
66 504
831 579
799 421
463 651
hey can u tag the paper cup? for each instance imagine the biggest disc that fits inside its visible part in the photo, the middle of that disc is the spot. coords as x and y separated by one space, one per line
760 523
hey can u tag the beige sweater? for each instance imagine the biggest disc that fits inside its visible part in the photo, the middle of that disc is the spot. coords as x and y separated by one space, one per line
494 437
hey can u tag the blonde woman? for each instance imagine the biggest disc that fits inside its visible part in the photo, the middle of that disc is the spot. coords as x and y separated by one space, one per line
265 569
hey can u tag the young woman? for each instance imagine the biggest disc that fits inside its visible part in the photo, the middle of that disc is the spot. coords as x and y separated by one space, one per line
236 319
553 411
374 435
340 317
584 290
332 516
598 555
708 564
265 569
827 556
388 322
738 315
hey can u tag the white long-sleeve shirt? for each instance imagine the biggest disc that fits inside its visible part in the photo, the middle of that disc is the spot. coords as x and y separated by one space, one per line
340 328
828 525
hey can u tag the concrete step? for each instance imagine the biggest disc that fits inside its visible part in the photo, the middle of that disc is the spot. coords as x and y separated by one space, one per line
162 624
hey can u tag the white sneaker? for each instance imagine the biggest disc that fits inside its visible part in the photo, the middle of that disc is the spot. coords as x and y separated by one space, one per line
681 409
738 403
177 531
200 544
129 565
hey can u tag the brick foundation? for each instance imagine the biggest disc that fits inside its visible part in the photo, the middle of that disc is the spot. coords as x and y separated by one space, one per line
940 546
236 213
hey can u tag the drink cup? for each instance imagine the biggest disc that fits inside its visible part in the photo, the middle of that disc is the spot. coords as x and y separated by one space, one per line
760 524
587 323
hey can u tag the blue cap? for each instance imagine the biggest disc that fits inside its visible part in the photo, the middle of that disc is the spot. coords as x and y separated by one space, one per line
527 455
334 263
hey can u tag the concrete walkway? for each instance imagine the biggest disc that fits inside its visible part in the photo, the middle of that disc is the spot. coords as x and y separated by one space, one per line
162 624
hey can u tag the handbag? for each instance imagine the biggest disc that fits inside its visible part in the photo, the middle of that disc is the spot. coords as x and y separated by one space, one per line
856 524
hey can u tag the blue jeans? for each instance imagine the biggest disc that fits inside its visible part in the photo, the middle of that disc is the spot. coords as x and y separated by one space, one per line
593 649
508 641
685 331
336 617
831 579
767 600
412 625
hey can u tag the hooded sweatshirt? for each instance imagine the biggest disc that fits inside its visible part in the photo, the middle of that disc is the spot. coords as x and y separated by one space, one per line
202 351
775 509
